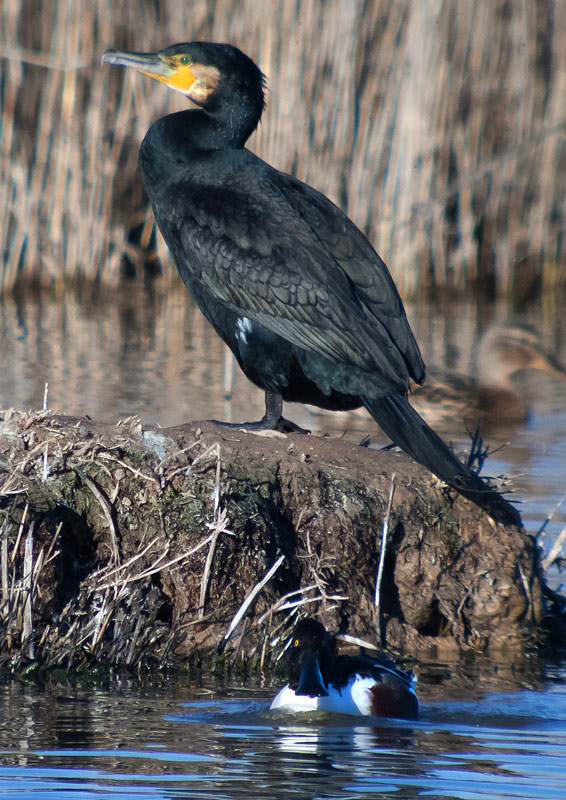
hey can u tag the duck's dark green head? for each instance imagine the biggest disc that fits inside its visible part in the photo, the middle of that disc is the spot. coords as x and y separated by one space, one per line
308 659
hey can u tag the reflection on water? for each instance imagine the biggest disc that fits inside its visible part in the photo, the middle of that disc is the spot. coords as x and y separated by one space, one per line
110 357
146 352
177 739
483 734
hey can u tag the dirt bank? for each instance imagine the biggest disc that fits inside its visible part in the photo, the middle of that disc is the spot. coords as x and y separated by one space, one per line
128 544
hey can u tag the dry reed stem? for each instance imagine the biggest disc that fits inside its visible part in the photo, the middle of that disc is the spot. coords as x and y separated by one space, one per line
549 517
18 594
20 531
106 510
345 637
110 457
555 550
27 582
526 588
157 566
321 598
133 559
250 597
315 565
439 127
218 526
283 600
6 527
382 553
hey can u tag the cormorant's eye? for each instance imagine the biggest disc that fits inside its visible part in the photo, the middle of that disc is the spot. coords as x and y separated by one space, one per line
184 60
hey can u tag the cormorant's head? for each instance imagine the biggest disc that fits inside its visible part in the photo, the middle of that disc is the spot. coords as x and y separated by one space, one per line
209 74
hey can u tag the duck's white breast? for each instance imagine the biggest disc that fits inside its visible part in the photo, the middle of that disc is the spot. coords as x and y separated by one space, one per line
351 699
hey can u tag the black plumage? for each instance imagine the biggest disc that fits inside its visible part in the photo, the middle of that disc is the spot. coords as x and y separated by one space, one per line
297 292
358 684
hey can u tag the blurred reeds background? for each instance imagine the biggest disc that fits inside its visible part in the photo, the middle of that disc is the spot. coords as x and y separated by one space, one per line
438 125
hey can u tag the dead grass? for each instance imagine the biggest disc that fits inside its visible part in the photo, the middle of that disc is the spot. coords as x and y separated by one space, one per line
55 613
439 126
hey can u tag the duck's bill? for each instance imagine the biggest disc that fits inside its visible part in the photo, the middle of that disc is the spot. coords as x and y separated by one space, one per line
311 682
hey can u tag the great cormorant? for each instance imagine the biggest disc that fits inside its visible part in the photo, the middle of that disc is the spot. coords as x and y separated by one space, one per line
291 285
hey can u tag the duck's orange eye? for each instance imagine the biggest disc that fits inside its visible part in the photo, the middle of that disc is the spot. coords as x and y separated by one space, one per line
296 643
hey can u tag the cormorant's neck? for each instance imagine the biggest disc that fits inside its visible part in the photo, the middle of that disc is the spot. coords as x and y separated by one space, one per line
177 139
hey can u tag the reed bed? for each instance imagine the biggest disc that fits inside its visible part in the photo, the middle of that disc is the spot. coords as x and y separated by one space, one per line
438 125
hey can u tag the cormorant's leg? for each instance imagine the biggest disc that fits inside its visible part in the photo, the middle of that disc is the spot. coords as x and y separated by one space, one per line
271 420
273 410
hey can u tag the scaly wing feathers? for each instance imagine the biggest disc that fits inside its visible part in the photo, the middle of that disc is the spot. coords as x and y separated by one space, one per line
255 252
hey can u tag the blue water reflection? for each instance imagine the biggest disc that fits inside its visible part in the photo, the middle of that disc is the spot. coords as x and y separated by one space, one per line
479 738
181 740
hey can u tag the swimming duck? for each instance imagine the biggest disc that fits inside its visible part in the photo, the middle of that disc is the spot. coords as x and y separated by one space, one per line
359 685
491 399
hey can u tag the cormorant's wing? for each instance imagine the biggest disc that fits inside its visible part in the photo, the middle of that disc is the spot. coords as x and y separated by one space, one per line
276 251
362 264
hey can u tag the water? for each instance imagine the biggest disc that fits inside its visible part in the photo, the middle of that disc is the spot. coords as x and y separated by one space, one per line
483 734
178 739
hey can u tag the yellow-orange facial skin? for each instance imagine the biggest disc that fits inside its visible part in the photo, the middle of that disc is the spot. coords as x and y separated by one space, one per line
178 76
195 81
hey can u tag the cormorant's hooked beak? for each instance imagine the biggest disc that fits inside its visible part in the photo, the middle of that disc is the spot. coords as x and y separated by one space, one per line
311 682
149 63
177 70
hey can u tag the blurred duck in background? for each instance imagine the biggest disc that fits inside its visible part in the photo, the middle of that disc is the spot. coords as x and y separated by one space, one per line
492 399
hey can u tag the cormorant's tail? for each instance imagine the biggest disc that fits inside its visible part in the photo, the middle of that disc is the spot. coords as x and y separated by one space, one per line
400 421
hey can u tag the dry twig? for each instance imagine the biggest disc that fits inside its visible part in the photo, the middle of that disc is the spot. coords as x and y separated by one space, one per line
379 578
